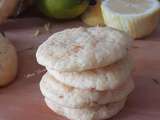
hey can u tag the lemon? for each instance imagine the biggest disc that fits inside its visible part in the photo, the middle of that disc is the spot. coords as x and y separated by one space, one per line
63 9
7 8
93 15
138 18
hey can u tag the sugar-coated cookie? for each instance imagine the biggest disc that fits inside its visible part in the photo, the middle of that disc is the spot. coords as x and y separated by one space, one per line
78 98
80 49
101 79
94 113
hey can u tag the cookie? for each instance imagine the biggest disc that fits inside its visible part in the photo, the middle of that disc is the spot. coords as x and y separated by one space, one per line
8 61
81 49
77 98
101 79
94 113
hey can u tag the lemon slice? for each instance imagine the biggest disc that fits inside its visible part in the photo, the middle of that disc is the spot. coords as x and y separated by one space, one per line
93 15
137 17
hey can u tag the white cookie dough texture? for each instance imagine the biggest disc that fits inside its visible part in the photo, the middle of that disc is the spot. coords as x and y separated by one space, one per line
80 49
101 79
77 98
8 61
95 113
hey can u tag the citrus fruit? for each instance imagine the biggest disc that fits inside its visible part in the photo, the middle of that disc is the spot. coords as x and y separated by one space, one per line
137 17
63 9
93 15
7 7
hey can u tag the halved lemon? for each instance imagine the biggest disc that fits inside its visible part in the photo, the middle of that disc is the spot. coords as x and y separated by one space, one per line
137 17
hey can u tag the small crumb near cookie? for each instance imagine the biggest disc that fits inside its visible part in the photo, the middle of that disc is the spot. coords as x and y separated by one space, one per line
47 26
41 71
37 72
36 33
28 49
30 75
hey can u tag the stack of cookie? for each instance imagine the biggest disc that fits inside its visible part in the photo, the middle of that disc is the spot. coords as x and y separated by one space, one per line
88 72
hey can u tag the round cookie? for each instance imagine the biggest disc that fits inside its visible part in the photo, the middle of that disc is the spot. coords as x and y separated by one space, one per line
77 98
8 61
95 113
100 79
80 49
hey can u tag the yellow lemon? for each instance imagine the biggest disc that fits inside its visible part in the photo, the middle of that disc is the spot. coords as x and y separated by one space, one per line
137 17
93 15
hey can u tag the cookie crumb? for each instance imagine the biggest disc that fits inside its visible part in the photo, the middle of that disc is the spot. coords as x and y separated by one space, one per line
37 72
27 49
36 33
30 75
47 26
41 71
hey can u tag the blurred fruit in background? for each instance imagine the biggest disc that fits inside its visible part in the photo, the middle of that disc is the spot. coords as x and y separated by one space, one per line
7 8
139 18
12 8
93 15
23 5
62 9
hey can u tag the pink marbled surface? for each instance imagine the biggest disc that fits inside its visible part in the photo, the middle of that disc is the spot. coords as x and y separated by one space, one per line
22 99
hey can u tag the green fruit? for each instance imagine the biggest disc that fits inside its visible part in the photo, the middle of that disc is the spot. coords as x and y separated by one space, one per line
63 9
